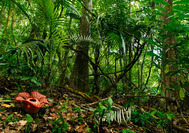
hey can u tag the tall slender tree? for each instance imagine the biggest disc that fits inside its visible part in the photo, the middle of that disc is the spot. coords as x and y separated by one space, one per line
169 54
170 80
80 74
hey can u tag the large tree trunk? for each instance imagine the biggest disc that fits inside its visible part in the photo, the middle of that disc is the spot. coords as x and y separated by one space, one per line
80 74
169 65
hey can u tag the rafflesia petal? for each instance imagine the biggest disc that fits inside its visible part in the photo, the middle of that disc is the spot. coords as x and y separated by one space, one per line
37 95
19 99
22 96
33 103
43 100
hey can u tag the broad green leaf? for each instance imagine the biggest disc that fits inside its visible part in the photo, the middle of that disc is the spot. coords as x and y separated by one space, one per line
166 68
111 112
65 126
14 94
5 100
153 112
61 117
28 118
175 87
3 64
102 106
170 116
2 110
163 94
108 118
110 101
54 129
49 7
64 110
127 131
9 117
59 130
99 110
34 80
182 93
137 119
182 78
25 78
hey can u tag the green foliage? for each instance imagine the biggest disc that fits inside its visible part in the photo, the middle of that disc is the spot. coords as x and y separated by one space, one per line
29 119
182 93
127 131
161 119
9 117
170 115
59 126
103 109
155 118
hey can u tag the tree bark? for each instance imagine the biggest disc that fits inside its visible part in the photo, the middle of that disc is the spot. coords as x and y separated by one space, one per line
80 74
2 17
169 57
7 23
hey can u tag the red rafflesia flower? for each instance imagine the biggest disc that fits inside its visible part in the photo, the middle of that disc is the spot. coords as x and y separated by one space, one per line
33 103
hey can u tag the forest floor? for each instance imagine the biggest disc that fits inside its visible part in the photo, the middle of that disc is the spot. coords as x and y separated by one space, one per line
64 107
13 118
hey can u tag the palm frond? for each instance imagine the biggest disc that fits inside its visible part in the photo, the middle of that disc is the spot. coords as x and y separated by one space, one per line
70 7
31 49
45 9
50 15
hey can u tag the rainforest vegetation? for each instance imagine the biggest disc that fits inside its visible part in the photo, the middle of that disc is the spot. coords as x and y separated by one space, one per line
94 66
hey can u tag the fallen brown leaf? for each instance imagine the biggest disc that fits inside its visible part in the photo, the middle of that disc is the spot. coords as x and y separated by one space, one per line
13 131
52 110
34 127
22 124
